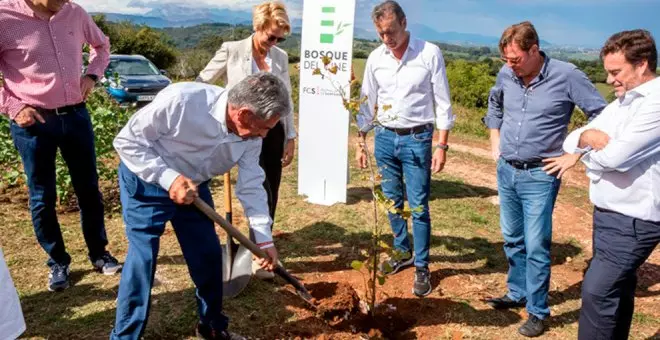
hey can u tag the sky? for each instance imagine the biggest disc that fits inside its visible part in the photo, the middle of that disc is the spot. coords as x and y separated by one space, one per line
563 22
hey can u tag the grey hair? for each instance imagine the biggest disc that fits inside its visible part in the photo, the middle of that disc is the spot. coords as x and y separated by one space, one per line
388 7
263 93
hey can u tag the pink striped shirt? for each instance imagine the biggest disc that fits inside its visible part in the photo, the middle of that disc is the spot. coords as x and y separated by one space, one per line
41 58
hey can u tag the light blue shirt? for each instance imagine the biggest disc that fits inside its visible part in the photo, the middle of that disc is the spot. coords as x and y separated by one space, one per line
533 120
184 132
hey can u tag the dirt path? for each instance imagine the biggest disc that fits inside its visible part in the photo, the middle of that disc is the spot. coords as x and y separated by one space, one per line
455 309
570 220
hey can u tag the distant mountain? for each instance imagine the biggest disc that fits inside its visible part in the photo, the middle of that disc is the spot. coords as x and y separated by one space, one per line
167 14
359 33
463 39
180 15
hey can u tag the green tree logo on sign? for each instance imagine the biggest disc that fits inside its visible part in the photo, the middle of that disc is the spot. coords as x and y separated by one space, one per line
329 38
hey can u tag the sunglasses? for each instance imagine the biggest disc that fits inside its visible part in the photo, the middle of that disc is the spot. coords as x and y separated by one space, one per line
275 39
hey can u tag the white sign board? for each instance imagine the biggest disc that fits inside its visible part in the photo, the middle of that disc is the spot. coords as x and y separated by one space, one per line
323 123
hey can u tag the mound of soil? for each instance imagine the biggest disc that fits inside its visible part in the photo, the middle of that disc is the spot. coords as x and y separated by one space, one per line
334 301
338 306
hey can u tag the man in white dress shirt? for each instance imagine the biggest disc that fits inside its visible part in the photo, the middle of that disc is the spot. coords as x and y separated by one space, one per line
405 80
169 151
11 317
622 155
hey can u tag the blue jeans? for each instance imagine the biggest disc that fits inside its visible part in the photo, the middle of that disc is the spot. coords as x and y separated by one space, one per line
407 158
146 208
37 144
527 198
621 244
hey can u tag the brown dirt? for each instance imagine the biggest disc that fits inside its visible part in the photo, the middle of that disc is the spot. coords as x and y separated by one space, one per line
401 315
335 301
19 195
338 306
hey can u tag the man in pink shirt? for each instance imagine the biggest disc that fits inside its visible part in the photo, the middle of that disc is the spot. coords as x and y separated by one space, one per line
44 95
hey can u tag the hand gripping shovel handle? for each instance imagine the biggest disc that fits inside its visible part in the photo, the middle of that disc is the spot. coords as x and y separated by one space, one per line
242 239
233 232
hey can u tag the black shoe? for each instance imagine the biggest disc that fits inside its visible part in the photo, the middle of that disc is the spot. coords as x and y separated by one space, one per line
58 278
396 263
533 327
106 264
207 332
422 285
505 302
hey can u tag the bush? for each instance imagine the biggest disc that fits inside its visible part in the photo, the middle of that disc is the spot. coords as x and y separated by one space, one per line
107 119
468 121
189 64
294 58
469 83
10 161
126 38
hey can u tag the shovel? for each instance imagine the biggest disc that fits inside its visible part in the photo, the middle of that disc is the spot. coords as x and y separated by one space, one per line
237 264
243 240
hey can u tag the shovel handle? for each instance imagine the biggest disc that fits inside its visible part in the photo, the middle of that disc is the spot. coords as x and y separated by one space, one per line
233 232
228 209
242 239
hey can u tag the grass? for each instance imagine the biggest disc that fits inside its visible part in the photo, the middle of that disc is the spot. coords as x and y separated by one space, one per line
314 241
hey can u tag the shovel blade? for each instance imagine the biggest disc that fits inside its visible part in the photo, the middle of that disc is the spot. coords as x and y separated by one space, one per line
235 280
241 272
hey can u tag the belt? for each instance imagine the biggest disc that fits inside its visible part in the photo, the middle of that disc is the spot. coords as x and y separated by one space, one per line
525 165
60 111
408 131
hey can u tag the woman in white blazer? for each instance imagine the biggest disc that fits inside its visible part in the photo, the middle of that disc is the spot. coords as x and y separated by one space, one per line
236 60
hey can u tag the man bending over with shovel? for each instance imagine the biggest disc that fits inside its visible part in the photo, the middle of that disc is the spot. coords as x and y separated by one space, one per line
169 151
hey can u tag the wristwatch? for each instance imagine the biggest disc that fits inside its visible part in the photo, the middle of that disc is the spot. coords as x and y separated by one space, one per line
442 146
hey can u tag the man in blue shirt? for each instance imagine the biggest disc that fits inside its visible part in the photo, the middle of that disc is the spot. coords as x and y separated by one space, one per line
529 109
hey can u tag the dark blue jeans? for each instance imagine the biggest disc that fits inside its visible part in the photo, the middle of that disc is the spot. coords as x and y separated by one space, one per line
407 158
146 208
527 198
621 244
37 144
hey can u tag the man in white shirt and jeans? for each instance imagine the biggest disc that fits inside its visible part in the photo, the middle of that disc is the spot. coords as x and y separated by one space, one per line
405 80
169 151
622 154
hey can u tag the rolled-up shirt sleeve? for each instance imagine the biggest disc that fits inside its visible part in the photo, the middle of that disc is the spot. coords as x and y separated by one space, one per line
9 104
572 142
99 53
584 94
443 113
370 90
494 116
135 141
250 191
640 140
